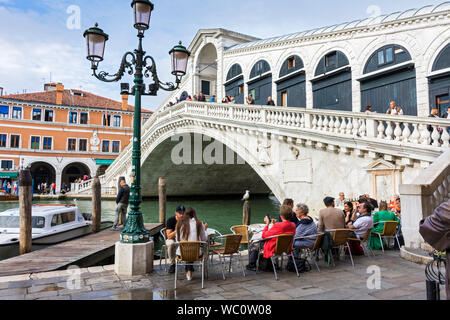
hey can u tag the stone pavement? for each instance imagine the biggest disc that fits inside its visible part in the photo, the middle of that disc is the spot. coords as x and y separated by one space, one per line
400 280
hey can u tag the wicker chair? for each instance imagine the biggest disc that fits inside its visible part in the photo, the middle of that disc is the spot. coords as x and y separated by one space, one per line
340 239
231 247
314 251
389 231
282 247
364 242
190 255
242 230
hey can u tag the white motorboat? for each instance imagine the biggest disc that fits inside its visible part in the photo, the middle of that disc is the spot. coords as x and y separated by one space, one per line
51 224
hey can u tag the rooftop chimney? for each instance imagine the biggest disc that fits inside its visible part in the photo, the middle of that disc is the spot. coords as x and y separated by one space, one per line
59 93
124 102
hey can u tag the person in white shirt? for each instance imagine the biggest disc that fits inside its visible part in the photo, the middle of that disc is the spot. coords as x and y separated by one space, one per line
364 222
339 203
394 110
189 228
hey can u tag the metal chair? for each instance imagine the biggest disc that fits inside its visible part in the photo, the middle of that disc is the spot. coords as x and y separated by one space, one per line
283 247
231 247
190 255
364 242
163 250
340 239
314 251
389 231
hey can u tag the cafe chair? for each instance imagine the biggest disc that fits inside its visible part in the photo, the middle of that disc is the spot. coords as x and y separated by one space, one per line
389 231
190 254
283 246
163 250
313 252
231 248
364 242
340 239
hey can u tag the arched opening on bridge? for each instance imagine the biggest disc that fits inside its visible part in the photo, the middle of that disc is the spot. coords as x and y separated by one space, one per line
332 83
260 84
42 173
440 82
389 75
291 88
234 85
196 165
206 72
74 171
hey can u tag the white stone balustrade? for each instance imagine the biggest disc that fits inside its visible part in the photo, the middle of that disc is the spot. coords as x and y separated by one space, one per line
385 132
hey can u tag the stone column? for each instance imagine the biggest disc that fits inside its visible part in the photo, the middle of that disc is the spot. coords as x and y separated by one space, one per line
58 182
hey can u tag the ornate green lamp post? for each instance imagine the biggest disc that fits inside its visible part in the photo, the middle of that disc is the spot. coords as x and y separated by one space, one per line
142 66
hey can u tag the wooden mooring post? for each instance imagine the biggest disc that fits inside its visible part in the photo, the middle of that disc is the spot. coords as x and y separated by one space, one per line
162 192
96 205
25 207
246 213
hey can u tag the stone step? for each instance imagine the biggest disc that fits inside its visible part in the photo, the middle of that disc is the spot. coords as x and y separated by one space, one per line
426 247
416 255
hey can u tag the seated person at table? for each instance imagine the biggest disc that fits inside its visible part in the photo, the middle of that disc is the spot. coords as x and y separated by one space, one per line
331 217
170 235
383 215
305 228
284 227
189 228
350 213
363 223
290 203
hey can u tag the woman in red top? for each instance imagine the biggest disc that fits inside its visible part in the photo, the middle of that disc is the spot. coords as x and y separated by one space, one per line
284 227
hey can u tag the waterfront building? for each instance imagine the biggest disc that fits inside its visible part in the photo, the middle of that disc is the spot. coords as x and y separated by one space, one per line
61 134
403 56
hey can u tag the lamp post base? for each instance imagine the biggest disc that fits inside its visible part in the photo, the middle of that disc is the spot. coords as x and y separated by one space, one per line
133 259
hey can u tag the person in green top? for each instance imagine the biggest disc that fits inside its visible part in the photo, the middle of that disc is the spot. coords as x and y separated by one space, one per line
382 215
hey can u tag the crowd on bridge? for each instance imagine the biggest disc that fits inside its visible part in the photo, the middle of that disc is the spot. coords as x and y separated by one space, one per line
393 108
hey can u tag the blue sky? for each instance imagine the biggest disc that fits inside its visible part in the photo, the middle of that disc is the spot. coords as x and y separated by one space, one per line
35 40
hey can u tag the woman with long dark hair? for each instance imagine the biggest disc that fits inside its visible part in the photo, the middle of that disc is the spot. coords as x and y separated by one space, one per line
189 228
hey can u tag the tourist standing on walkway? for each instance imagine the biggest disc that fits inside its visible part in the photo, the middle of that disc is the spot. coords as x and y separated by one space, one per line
270 102
8 187
212 99
190 229
122 199
331 217
369 110
201 98
54 188
394 110
170 235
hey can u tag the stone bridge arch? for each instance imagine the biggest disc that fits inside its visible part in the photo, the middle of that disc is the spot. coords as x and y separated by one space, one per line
260 179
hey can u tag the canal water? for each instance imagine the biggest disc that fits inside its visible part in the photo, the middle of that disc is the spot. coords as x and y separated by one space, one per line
219 214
